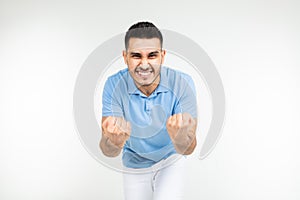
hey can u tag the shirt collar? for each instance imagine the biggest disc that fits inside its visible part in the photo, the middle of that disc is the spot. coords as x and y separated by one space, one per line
162 87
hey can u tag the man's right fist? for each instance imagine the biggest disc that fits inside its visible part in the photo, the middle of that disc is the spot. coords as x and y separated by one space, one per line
117 130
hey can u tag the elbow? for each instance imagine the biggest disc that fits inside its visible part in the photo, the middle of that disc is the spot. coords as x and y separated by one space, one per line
188 150
108 152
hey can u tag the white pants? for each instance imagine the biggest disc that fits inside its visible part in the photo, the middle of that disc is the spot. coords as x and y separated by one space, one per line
165 183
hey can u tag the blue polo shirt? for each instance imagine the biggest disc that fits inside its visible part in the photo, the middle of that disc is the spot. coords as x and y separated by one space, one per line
149 141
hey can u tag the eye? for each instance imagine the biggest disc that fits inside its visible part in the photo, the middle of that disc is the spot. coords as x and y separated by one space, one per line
154 55
136 56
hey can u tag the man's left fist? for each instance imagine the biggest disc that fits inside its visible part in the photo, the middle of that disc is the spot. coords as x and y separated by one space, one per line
181 128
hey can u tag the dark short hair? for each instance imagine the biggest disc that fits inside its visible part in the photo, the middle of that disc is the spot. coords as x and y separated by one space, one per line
143 30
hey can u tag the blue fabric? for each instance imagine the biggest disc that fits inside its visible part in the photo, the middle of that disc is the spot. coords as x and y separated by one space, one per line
149 141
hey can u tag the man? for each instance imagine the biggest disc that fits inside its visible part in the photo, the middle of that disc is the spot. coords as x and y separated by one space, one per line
149 114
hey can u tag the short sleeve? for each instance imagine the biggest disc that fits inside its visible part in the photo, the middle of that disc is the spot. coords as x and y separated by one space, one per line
111 104
186 96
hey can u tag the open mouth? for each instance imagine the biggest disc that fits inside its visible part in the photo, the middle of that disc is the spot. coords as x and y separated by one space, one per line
144 73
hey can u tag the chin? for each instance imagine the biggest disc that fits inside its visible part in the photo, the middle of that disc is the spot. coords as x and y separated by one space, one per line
145 83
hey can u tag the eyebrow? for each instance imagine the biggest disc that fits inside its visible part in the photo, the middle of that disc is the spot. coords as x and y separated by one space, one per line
138 54
153 52
135 54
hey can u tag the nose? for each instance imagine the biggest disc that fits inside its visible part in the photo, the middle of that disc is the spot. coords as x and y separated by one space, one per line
144 62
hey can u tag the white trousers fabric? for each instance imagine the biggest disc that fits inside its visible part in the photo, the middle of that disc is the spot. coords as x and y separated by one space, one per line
165 183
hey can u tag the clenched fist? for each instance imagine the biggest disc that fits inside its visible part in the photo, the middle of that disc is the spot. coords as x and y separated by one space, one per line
181 128
117 130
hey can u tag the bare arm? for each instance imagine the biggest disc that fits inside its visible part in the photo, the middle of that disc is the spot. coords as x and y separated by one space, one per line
108 148
182 131
115 132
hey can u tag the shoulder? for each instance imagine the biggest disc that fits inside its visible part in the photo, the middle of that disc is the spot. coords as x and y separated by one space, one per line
175 76
117 77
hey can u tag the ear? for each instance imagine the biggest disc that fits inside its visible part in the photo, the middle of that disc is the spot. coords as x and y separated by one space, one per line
124 53
163 53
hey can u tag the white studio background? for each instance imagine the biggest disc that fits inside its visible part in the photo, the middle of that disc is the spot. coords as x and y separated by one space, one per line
254 45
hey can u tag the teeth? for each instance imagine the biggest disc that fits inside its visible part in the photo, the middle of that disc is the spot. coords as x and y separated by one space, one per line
144 73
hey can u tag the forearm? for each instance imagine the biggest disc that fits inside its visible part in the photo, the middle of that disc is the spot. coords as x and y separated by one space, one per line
182 130
185 146
108 148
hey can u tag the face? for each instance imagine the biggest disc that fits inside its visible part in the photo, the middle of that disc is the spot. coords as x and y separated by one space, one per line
144 58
